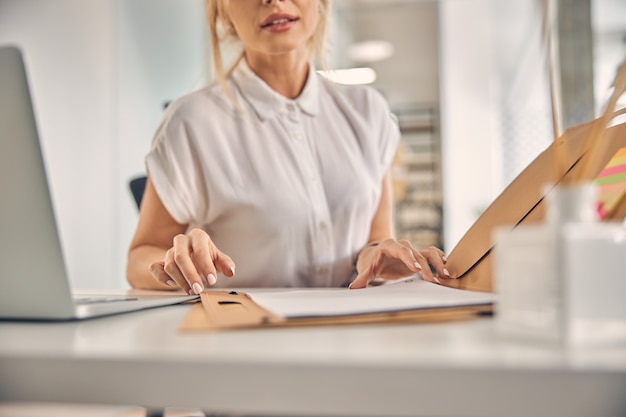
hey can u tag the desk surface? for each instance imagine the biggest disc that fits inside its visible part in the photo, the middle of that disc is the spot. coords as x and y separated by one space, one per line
445 369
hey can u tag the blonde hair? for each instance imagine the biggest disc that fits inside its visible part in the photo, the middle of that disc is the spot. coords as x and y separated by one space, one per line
221 31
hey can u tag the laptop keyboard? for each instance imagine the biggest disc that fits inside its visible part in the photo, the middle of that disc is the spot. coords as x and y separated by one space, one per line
107 299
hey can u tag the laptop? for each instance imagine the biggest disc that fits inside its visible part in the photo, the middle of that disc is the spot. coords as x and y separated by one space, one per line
34 284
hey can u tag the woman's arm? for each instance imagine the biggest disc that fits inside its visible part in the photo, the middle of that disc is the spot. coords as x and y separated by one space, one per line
385 257
162 256
153 237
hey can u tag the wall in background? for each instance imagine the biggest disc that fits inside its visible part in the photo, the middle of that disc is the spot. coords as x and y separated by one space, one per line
495 103
410 76
468 120
496 115
69 53
609 46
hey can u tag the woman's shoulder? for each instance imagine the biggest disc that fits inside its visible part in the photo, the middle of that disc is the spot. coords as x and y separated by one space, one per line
195 115
210 98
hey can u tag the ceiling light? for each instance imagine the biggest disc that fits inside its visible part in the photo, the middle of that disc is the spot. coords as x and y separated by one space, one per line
370 51
350 76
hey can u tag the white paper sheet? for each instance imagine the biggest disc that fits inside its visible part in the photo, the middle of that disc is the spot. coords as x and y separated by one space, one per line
407 294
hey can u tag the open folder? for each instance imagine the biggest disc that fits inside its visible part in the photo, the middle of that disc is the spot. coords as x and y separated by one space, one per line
407 300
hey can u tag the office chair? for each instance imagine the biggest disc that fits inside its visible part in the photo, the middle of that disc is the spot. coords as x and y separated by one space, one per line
137 186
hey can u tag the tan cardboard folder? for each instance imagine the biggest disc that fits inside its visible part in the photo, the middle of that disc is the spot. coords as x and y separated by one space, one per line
221 310
578 155
523 200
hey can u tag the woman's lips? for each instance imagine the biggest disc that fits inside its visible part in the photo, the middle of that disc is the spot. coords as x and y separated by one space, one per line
278 22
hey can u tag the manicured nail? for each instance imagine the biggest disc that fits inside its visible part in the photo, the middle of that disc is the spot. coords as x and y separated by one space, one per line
444 258
418 266
446 273
211 279
436 280
232 270
197 288
171 283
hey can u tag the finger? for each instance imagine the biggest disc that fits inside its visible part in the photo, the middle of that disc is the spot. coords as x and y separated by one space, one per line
432 256
203 254
182 259
173 272
439 252
363 278
224 263
436 258
426 273
407 254
184 264
211 260
158 272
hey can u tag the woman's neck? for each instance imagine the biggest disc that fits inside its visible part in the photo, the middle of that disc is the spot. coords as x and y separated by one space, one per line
286 73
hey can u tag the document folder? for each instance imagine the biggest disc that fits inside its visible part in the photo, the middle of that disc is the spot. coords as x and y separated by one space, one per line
221 310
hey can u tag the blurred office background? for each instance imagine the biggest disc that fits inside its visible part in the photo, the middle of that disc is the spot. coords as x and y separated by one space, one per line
467 79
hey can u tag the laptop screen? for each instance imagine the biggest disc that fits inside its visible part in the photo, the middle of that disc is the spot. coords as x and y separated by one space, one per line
33 280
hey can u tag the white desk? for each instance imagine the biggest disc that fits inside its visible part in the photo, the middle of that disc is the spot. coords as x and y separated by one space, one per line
452 369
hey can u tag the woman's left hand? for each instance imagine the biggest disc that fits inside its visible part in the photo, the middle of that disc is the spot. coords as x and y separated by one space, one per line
394 259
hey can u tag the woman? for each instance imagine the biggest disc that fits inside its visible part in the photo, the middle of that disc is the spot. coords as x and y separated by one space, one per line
272 174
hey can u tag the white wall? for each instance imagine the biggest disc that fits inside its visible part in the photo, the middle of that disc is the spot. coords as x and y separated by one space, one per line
468 129
68 50
609 33
495 105
410 77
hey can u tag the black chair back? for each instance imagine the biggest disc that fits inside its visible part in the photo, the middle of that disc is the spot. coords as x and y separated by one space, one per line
137 187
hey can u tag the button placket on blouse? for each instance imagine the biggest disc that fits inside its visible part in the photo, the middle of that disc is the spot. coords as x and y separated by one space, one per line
323 237
325 245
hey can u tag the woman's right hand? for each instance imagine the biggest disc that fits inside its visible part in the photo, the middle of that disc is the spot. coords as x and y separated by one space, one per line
192 263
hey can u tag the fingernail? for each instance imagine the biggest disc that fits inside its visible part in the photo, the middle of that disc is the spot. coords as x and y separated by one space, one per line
197 288
417 265
444 258
171 283
436 280
446 273
232 270
211 279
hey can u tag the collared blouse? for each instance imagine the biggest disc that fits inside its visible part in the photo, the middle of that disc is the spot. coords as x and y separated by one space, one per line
287 188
